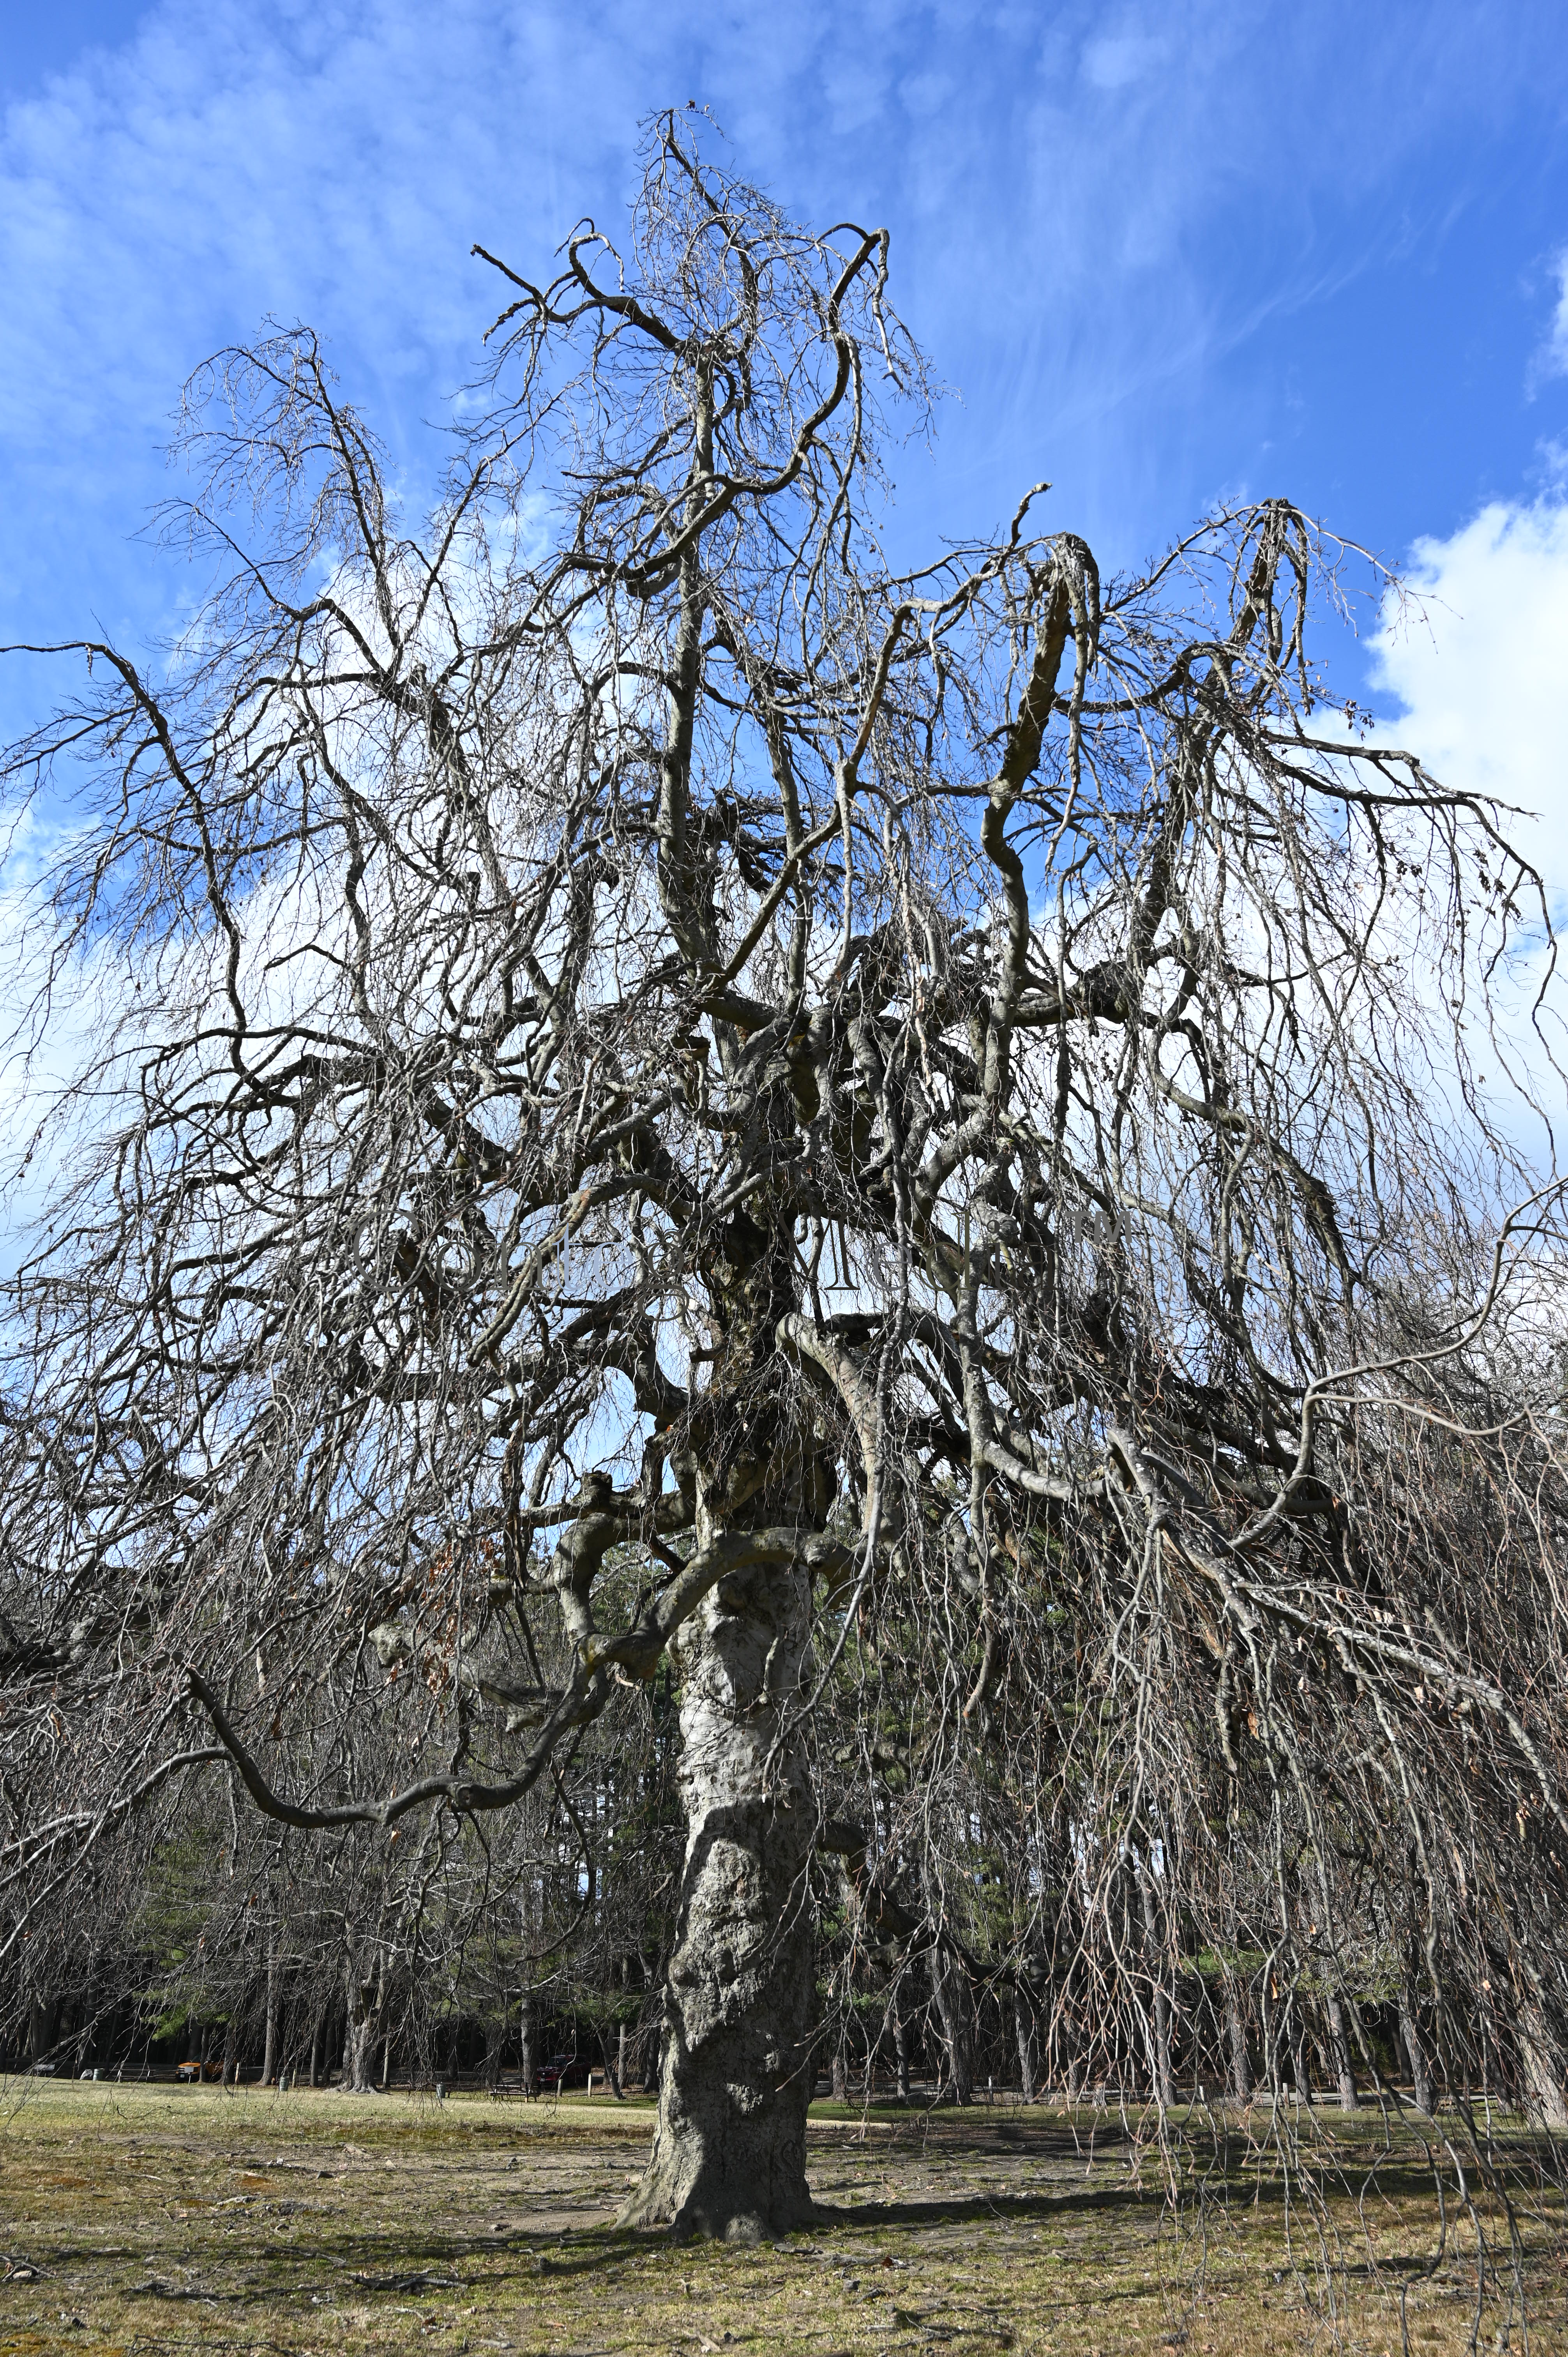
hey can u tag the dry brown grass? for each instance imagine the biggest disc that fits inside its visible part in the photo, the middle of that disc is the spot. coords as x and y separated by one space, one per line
193 2220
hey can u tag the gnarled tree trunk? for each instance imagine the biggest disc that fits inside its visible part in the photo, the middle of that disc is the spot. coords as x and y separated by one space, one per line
729 2154
363 1990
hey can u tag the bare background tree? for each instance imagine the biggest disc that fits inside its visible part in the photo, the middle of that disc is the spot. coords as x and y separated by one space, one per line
901 1145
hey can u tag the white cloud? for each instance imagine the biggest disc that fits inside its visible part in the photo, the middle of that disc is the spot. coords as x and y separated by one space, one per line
1479 681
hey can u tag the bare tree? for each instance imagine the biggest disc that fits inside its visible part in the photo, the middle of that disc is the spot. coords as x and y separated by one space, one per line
678 1094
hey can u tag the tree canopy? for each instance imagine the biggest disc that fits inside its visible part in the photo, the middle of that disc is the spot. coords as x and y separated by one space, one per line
899 1142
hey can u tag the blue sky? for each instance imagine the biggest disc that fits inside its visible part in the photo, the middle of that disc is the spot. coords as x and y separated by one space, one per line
1163 256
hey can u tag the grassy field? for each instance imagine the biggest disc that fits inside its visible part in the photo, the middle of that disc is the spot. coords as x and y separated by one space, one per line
153 2219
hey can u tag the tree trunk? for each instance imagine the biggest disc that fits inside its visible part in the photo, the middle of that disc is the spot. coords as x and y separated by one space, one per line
729 2152
1543 2090
316 2046
1300 2053
43 2027
1339 2052
362 1992
1023 2024
527 2041
231 2049
1415 2047
840 2073
954 2004
901 2049
1235 2037
270 2048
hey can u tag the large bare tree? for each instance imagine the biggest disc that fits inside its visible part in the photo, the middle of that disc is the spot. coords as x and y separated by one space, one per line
674 1091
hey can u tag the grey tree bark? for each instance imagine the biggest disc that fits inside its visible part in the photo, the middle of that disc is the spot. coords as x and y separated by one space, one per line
1544 2094
729 2154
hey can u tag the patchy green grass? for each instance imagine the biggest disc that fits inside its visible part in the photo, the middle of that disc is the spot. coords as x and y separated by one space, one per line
153 2219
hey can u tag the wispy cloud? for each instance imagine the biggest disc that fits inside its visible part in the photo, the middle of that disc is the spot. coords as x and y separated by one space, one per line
1088 215
1552 358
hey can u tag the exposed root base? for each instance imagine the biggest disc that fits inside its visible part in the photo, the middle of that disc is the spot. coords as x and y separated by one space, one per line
709 2221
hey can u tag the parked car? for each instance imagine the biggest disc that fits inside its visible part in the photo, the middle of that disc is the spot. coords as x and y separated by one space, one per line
555 2072
197 2071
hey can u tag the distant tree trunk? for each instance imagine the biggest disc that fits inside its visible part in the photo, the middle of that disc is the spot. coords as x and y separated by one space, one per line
386 2059
495 2031
316 2046
840 2072
43 2025
1301 2053
1339 2050
620 2065
1415 2047
270 2046
231 2048
528 2042
1024 2027
1236 2038
901 2048
955 2006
